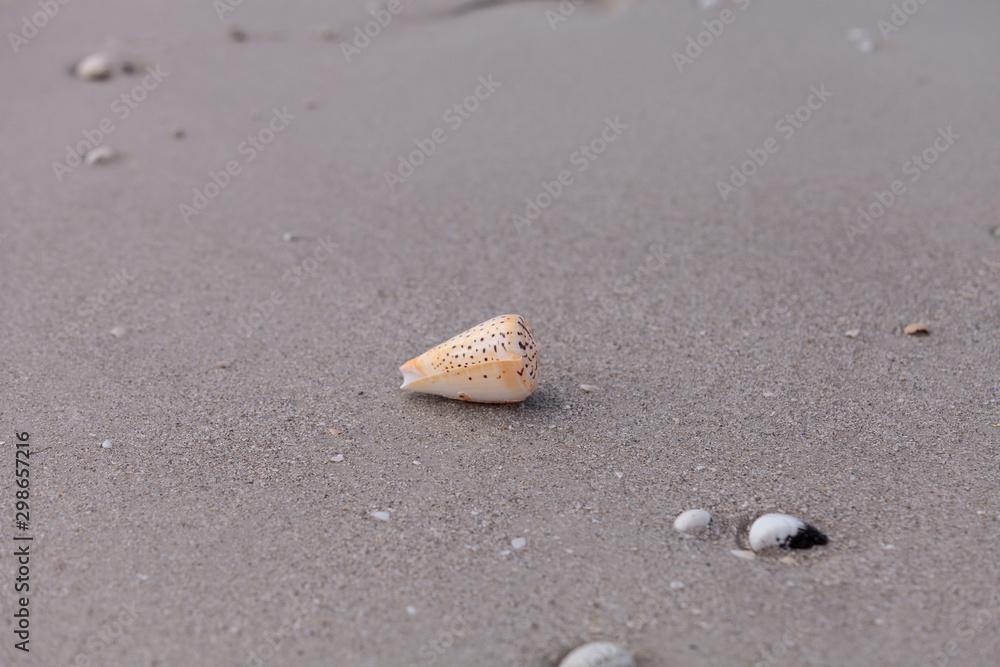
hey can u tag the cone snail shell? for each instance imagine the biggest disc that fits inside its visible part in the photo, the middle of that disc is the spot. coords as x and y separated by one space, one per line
493 362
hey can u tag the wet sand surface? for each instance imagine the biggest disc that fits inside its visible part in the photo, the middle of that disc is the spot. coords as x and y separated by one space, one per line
217 529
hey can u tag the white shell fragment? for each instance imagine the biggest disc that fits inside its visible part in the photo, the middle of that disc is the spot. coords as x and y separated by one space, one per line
598 654
380 515
692 520
95 67
106 444
784 531
862 39
493 362
100 155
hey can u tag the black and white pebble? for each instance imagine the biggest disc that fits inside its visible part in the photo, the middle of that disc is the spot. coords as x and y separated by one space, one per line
598 654
784 531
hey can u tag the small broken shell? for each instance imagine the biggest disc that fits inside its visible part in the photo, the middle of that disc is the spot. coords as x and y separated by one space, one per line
916 329
95 67
101 155
598 654
493 362
692 520
784 531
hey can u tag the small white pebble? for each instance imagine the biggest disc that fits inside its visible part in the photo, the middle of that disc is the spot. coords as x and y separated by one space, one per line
95 67
106 444
589 387
692 520
519 543
100 155
676 585
411 610
598 654
852 333
380 515
337 458
288 236
117 332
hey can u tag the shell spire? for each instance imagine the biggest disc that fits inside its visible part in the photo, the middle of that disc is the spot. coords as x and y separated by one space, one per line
493 362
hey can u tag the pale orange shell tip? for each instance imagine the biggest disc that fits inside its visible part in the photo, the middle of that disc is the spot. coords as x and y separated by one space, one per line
493 362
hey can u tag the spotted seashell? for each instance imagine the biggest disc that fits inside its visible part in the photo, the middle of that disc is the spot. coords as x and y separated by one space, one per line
493 362
784 531
598 654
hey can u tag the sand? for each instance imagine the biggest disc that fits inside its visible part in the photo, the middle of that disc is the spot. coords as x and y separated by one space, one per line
220 530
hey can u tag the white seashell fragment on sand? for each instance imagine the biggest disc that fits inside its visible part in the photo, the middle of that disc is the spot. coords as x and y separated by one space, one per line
95 67
784 531
380 515
598 654
106 444
493 362
100 155
862 39
692 520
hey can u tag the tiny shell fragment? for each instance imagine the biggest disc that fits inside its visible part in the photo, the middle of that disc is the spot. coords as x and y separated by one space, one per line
95 67
916 329
100 155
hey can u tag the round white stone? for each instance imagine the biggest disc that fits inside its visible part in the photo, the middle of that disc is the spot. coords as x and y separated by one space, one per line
691 520
598 654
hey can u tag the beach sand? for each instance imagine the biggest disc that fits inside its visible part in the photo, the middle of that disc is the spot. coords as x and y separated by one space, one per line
231 353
